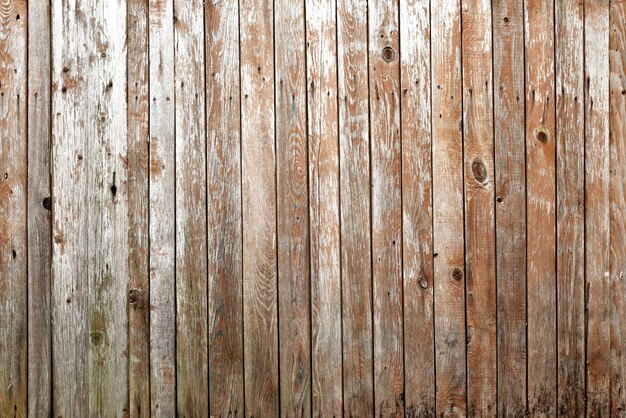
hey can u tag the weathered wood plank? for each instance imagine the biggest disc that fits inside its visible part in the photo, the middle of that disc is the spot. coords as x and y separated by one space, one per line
386 166
224 209
138 201
510 178
354 143
192 391
417 216
162 211
323 162
13 209
570 175
480 246
448 253
258 148
617 195
39 211
293 210
597 216
541 206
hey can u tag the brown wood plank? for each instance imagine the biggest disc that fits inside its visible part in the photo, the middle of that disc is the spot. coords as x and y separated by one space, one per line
417 230
570 169
597 216
541 207
617 195
386 166
39 211
293 211
224 209
162 211
258 148
192 391
13 209
354 143
448 253
480 246
138 200
323 166
510 178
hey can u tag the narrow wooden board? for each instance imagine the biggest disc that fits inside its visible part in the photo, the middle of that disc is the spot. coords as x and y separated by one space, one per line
224 209
39 211
570 212
448 253
597 215
162 211
480 245
354 144
417 215
510 189
294 285
13 209
258 149
617 195
192 385
323 168
541 206
138 202
386 166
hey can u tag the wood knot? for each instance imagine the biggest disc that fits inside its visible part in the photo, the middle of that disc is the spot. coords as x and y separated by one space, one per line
479 170
541 134
457 274
388 54
96 338
423 282
47 203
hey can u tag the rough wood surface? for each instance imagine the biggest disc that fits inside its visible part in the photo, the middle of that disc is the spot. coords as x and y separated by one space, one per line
224 210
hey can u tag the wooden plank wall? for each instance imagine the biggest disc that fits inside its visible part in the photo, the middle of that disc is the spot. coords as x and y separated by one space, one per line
312 208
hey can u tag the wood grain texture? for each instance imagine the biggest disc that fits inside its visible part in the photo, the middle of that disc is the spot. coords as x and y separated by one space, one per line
597 215
258 149
162 210
480 245
356 251
224 209
13 209
293 210
448 237
39 211
324 226
138 205
192 391
510 189
570 211
386 166
617 196
541 207
417 230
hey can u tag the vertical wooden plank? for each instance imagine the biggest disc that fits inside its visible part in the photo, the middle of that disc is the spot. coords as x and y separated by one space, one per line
570 214
417 230
480 246
162 211
224 209
138 199
510 170
355 184
13 209
39 214
258 148
597 227
386 166
541 207
293 212
617 195
192 390
322 117
448 236
70 334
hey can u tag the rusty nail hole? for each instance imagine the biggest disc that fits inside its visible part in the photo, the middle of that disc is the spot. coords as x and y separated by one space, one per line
479 170
68 300
65 69
47 203
79 156
388 54
457 274
63 89
506 19
499 199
